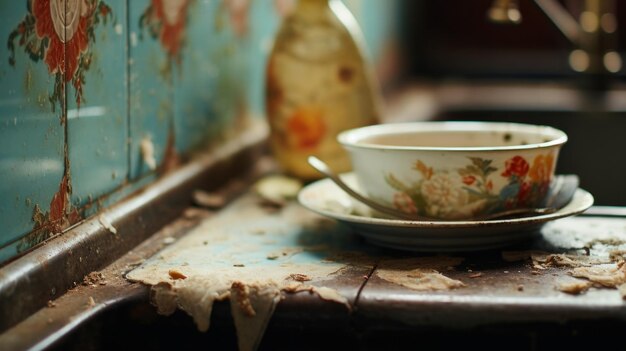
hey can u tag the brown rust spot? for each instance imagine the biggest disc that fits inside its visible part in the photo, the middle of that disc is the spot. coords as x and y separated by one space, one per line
94 278
60 216
171 160
58 205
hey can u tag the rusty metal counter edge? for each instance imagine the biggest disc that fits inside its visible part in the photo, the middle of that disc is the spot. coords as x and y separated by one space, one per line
48 271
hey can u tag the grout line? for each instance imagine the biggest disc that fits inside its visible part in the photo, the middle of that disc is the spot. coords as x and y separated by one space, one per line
66 128
128 95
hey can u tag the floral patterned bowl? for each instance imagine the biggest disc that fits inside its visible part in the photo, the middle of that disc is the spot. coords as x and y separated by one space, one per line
454 170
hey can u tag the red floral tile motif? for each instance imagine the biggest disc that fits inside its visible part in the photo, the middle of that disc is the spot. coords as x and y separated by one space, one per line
166 21
59 32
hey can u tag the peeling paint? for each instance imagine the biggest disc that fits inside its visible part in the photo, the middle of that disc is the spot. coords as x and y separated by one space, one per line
609 276
60 216
61 213
59 202
147 152
31 239
421 273
107 224
38 216
224 258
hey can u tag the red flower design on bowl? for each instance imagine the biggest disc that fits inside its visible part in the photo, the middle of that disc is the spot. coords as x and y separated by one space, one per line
516 166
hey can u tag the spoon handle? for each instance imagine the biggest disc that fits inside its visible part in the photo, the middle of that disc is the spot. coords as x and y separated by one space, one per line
324 169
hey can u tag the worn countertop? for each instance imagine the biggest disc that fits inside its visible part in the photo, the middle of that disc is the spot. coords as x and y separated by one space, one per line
369 297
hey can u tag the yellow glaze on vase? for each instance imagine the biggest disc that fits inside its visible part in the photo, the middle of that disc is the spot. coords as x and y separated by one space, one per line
318 84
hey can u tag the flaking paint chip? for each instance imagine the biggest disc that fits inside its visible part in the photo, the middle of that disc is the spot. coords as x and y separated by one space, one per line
278 189
147 152
208 200
107 224
574 287
175 274
300 277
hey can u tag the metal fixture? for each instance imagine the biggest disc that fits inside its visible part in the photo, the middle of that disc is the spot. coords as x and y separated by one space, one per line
505 11
592 34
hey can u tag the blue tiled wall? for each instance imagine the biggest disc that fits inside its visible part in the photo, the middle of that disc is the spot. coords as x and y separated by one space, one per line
97 129
74 113
31 135
151 89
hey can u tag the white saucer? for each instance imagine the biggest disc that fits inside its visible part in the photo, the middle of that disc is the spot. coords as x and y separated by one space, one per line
325 198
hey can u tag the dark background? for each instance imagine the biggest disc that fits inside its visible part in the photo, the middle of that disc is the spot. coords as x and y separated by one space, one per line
454 38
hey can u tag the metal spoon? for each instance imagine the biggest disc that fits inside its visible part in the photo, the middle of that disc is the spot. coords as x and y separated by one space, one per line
324 169
561 192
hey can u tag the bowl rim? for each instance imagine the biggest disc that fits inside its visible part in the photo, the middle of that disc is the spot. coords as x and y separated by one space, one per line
352 138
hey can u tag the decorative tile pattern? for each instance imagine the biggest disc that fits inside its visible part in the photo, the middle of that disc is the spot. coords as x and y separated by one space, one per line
97 96
97 110
31 134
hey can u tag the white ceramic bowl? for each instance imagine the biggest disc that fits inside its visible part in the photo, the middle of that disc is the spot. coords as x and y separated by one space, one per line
454 170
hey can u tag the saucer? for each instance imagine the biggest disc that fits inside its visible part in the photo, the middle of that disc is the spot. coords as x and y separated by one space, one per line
327 199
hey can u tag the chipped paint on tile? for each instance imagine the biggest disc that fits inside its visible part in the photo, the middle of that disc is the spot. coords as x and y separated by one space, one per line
60 216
